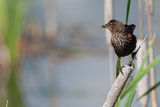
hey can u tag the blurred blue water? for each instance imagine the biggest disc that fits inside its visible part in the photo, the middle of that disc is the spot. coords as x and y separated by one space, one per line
79 81
36 81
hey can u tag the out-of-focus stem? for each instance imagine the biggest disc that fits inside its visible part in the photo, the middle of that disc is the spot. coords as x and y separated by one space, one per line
108 14
142 85
149 11
140 19
7 103
51 20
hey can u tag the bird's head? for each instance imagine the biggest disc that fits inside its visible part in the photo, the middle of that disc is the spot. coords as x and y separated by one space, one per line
110 25
115 26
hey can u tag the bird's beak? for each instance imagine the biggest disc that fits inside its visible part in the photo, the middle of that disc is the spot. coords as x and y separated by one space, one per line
104 26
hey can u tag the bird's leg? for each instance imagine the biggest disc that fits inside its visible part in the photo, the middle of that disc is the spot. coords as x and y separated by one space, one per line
130 62
119 67
133 57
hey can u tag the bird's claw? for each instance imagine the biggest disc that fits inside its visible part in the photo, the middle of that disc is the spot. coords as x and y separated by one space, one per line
131 64
121 69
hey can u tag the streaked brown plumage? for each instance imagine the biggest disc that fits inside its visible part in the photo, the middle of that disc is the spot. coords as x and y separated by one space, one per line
123 40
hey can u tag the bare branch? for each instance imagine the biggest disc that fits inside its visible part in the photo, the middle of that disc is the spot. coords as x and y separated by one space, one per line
118 86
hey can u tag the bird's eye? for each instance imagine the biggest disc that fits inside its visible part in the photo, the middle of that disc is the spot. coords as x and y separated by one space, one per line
109 24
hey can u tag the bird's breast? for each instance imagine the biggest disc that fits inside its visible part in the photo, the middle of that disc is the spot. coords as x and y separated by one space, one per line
117 40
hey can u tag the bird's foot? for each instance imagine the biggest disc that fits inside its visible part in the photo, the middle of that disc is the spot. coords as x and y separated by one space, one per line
121 69
131 64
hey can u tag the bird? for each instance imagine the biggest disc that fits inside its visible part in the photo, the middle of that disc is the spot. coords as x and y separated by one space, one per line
123 40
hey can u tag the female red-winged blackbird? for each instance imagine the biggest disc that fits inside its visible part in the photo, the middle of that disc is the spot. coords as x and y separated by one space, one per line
123 40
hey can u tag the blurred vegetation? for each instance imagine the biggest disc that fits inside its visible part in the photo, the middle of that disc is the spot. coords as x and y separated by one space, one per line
11 20
150 89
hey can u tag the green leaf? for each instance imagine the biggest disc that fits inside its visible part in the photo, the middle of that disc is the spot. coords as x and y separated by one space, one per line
118 102
127 12
140 76
149 90
118 66
11 19
130 97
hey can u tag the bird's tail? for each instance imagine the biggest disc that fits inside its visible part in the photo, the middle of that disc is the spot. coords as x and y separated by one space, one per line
134 53
118 66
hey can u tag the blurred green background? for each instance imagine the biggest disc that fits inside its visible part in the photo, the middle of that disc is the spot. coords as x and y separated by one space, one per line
53 53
